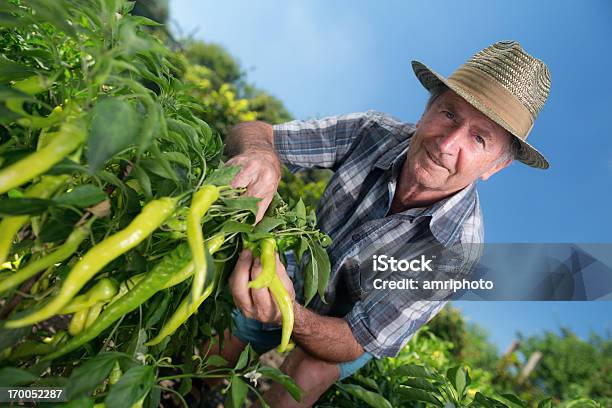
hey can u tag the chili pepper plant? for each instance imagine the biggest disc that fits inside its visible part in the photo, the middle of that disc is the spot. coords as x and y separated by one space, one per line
118 225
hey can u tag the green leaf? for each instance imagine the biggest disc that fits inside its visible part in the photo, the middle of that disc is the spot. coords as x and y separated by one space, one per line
238 392
311 278
15 377
323 269
231 226
513 400
243 359
12 71
300 212
216 361
137 346
459 379
301 248
178 157
412 394
143 180
140 20
267 224
24 206
371 398
85 378
242 203
222 176
413 370
66 166
283 379
545 403
133 385
82 196
114 126
156 167
420 383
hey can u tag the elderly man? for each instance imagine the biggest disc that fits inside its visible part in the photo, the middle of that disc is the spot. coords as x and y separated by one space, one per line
395 186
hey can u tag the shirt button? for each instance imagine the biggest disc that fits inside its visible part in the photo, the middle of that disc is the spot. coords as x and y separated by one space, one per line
355 237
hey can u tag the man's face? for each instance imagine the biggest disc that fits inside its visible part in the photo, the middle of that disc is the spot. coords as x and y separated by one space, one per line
454 144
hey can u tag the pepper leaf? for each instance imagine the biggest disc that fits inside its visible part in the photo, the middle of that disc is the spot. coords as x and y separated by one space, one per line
114 126
371 398
222 176
283 379
85 378
82 196
323 269
238 392
231 226
242 203
24 206
267 224
14 377
132 386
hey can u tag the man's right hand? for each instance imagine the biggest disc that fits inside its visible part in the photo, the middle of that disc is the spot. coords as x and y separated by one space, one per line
251 146
260 174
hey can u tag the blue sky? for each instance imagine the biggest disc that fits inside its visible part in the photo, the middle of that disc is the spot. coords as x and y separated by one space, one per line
325 58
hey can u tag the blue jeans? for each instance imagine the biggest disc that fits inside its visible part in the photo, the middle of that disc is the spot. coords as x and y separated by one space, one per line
265 336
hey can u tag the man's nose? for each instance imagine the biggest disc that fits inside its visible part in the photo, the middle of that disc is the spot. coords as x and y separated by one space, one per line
450 141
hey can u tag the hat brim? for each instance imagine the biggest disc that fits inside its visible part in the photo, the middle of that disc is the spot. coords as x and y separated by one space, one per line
432 80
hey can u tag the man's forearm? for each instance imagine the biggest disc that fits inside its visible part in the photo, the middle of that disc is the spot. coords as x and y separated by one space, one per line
324 337
250 136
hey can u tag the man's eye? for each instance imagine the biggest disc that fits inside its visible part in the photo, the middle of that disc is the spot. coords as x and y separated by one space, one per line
480 140
448 114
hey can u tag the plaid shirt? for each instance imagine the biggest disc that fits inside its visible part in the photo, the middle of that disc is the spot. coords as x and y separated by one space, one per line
366 152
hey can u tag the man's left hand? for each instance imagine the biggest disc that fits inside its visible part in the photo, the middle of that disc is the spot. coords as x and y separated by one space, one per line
257 304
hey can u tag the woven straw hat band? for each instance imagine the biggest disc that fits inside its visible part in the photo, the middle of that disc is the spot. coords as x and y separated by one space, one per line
495 98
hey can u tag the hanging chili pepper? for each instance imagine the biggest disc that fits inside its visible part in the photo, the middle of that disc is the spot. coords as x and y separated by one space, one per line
66 250
102 291
152 216
70 136
183 312
9 226
268 278
153 282
201 202
213 246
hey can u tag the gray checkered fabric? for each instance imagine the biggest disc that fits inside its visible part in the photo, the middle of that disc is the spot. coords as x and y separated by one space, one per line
366 152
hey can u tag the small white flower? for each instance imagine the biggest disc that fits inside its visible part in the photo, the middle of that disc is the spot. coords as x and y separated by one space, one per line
253 376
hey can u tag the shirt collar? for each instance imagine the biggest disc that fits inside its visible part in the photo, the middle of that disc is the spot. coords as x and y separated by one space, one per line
448 214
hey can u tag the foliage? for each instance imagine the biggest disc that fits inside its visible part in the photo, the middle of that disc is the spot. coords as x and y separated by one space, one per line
94 75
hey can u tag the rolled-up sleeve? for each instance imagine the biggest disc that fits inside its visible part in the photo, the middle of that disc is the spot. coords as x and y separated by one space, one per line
320 143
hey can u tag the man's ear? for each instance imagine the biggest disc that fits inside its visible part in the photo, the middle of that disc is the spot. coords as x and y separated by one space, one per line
495 168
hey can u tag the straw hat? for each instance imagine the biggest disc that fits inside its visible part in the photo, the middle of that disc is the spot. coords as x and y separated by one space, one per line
506 84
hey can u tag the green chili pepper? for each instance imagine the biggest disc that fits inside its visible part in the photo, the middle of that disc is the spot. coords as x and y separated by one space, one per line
268 278
115 374
68 138
267 247
185 309
67 249
152 216
153 282
78 322
102 291
9 226
213 246
92 314
201 202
